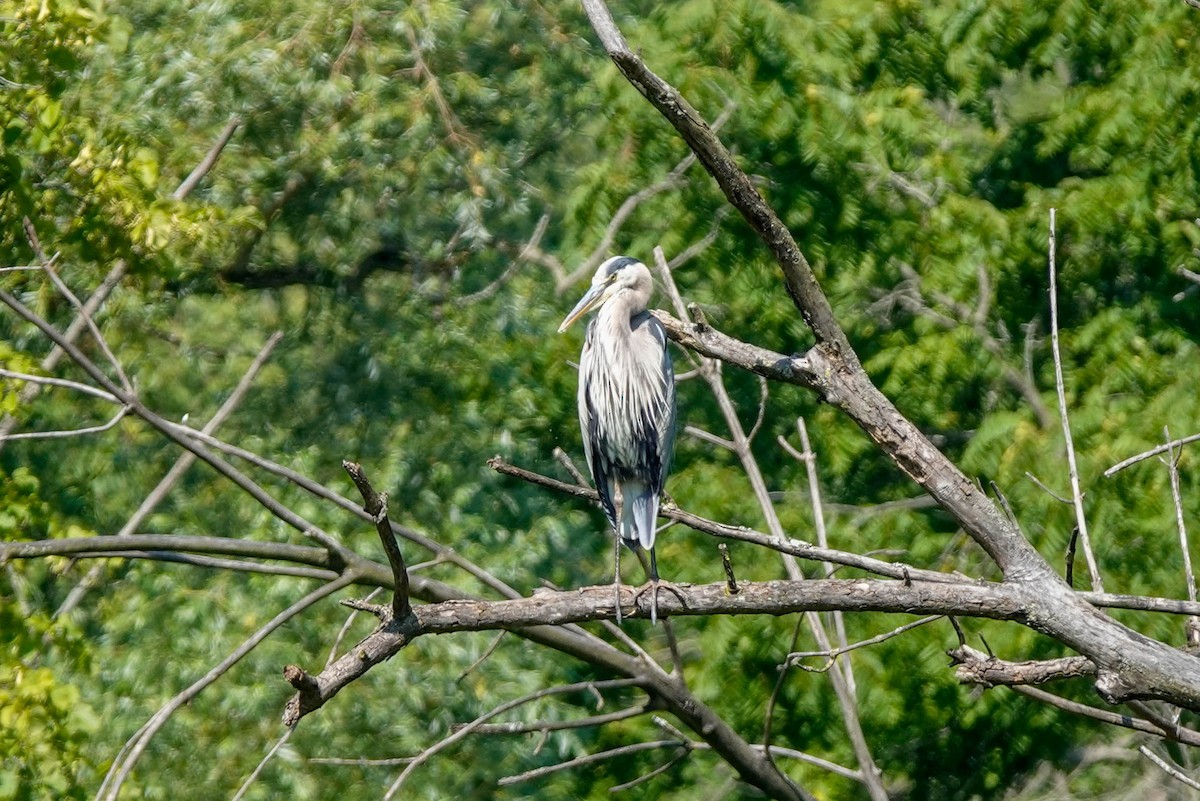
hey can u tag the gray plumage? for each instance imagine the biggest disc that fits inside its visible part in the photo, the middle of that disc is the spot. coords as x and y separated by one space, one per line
626 400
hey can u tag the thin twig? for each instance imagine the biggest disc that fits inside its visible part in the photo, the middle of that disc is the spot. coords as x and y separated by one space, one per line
70 432
1155 451
591 759
345 629
832 655
769 714
491 649
263 763
1172 463
62 383
1076 494
663 768
516 727
710 438
525 255
570 467
1170 768
65 291
212 563
208 162
814 492
764 393
1102 715
1046 489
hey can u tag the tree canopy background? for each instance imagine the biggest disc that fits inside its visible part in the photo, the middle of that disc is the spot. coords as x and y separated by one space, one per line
392 167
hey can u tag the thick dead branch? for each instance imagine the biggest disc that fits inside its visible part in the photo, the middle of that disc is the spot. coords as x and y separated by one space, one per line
994 601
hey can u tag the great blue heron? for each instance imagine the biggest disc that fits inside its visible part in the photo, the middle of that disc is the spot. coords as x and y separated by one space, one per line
626 405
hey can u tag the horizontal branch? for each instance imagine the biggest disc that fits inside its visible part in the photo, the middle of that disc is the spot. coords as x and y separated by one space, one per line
976 667
798 548
595 603
104 547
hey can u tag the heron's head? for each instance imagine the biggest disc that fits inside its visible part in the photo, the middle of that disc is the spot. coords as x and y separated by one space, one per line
614 276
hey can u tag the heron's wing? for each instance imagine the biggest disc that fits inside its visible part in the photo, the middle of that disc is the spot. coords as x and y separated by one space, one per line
589 424
660 416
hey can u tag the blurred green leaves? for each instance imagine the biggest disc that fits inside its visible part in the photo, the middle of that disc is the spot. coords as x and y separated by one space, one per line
392 162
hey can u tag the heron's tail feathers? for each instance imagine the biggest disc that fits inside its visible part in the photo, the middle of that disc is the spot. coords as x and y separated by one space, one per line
639 514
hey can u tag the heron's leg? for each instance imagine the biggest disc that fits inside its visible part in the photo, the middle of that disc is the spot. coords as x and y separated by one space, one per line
619 505
654 581
617 575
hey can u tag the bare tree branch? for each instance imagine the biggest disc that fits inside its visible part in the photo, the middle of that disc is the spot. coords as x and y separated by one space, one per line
1076 494
241 793
1189 574
1170 768
65 291
1083 710
72 432
831 655
976 667
55 382
561 725
1164 448
591 759
375 505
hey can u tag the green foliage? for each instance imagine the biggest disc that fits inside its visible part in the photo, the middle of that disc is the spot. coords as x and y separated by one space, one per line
389 166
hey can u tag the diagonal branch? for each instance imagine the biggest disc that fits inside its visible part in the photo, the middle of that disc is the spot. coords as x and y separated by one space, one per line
209 161
74 330
181 466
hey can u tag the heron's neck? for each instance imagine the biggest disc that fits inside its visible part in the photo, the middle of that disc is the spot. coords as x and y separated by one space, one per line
614 320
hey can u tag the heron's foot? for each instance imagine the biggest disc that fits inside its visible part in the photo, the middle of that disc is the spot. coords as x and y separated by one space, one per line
617 588
653 586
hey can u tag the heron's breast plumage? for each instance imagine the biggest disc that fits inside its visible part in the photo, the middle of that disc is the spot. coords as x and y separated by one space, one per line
628 391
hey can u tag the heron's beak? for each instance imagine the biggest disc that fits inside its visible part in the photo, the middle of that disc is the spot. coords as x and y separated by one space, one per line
594 297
